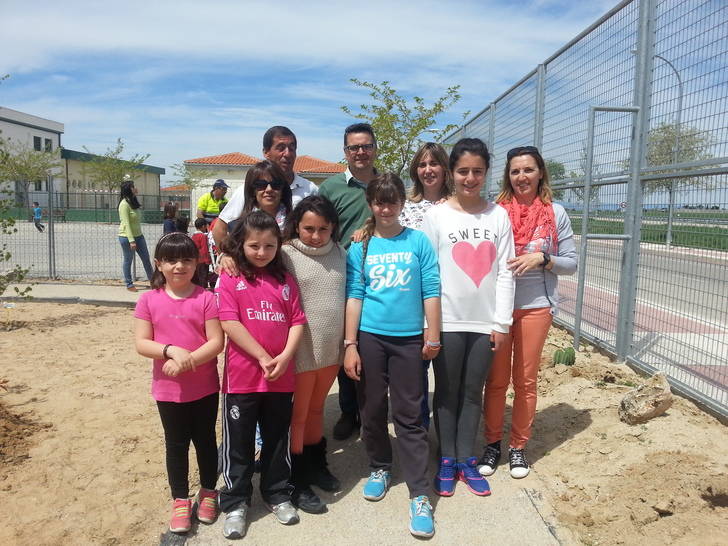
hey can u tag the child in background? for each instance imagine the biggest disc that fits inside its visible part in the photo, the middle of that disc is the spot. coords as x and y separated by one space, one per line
170 218
319 265
176 325
390 277
261 313
200 240
182 224
37 215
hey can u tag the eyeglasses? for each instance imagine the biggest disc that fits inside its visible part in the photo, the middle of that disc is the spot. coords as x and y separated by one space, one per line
263 184
356 147
520 150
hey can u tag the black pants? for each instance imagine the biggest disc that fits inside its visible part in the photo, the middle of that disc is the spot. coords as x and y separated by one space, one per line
40 227
393 364
241 411
347 393
182 422
460 372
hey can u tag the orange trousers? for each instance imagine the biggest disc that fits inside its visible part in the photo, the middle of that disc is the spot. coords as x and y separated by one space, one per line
518 360
309 397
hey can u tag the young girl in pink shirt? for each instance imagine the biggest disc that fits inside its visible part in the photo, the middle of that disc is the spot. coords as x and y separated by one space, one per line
177 326
260 311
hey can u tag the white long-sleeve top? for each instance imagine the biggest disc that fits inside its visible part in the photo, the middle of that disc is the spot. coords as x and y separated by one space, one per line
473 250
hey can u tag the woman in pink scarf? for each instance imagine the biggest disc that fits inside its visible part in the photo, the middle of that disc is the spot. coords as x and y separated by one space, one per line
545 248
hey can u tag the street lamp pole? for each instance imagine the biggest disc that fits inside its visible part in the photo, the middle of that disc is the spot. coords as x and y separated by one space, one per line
675 149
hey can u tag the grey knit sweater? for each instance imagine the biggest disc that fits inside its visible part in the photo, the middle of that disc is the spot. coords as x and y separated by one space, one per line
321 276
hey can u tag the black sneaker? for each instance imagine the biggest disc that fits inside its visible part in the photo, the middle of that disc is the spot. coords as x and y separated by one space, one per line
518 463
305 499
489 461
346 425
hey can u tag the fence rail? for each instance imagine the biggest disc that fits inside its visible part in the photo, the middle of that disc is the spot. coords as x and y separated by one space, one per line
657 296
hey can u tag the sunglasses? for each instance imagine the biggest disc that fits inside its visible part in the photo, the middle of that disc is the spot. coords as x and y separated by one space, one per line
259 185
521 150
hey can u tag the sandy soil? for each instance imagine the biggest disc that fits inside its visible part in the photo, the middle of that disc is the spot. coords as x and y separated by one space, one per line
80 458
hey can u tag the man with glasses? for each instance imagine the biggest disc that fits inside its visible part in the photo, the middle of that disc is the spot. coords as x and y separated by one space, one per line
347 192
279 147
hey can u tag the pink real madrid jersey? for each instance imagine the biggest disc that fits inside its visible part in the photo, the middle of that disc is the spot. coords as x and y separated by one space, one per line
268 309
180 322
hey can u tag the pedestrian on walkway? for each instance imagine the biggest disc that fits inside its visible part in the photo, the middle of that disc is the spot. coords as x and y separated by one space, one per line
544 246
392 285
131 238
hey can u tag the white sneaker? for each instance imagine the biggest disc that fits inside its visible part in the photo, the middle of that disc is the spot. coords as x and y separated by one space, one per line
518 463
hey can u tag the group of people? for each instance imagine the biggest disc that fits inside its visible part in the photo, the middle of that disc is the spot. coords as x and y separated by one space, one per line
363 273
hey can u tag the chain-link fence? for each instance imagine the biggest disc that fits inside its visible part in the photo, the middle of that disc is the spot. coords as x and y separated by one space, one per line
655 269
81 232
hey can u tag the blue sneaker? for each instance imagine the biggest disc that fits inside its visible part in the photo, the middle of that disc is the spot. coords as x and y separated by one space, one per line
421 522
468 473
445 480
377 485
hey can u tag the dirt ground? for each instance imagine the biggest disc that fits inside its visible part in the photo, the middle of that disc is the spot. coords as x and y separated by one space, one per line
81 459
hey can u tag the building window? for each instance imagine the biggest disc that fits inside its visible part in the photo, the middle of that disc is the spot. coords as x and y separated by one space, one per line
38 185
36 143
48 145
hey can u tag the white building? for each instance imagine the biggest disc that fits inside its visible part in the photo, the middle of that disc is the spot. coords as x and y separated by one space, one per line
34 131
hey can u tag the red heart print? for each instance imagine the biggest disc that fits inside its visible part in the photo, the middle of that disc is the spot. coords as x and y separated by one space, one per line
476 263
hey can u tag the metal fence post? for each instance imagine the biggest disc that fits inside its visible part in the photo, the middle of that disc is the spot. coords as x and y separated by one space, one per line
638 159
538 113
491 143
51 233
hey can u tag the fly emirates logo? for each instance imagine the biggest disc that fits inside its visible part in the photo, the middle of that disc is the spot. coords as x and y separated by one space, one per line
265 313
386 270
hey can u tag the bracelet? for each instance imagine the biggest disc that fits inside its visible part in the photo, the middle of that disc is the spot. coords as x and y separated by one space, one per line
433 344
348 342
164 351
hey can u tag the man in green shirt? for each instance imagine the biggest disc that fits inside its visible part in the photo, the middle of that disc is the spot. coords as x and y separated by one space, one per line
347 192
209 204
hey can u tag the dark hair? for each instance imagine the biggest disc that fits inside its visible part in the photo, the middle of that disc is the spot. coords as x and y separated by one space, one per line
127 194
170 210
234 242
318 205
277 131
182 224
173 246
36 203
360 128
385 188
544 185
438 153
275 173
473 146
199 222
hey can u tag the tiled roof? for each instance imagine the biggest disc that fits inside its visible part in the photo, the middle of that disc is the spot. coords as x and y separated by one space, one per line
174 189
308 164
234 158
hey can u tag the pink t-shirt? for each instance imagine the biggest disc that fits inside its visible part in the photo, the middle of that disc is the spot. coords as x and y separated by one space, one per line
181 323
267 309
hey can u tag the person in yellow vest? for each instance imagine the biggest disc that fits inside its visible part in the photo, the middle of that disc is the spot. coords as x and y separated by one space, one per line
209 205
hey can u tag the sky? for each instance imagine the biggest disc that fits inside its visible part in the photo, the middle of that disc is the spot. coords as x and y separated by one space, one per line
186 79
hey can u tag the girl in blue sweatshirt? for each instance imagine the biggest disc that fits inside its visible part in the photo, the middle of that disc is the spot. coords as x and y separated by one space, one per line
393 284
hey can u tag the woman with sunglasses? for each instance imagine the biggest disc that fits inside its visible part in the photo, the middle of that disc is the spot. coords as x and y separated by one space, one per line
544 243
266 189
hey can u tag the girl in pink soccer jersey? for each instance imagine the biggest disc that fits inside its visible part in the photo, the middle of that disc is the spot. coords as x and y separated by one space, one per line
177 326
260 311
473 241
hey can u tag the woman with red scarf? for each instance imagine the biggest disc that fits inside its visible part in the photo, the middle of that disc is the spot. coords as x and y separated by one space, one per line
545 248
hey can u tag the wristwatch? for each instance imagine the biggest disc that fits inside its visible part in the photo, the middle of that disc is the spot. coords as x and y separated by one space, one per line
433 344
546 259
348 342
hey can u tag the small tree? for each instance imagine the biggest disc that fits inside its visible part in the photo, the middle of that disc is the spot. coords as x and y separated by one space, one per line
107 170
190 176
557 171
399 124
23 164
16 273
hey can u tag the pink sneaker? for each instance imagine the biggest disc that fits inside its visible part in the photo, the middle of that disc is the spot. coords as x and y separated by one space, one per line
181 516
207 509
